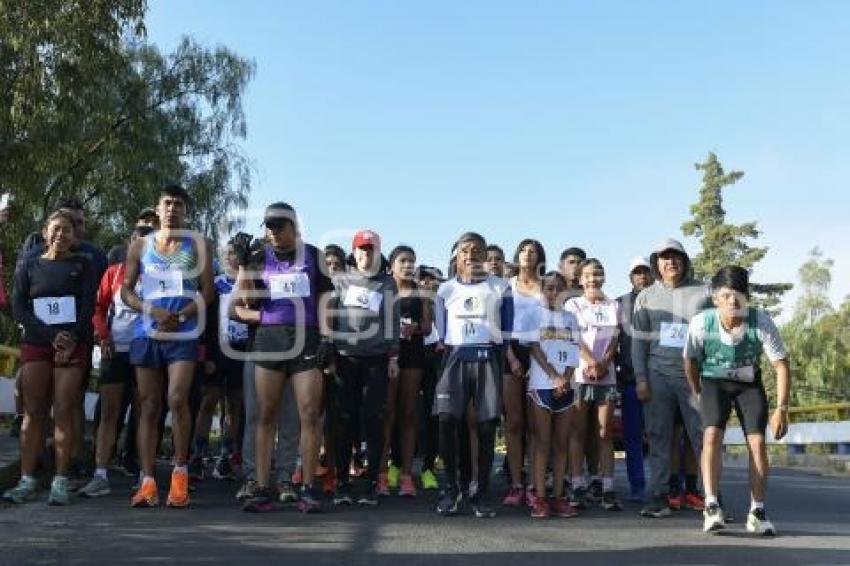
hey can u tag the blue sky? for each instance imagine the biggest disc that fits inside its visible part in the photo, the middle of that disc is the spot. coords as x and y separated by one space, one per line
577 123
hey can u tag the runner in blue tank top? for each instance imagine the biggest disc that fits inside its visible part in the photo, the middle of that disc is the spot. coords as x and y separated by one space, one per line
174 268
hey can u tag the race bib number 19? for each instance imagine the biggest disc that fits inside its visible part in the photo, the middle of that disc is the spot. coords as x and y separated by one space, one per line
56 310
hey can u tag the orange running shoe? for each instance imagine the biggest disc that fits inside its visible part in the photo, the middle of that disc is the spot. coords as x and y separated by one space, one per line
147 495
178 495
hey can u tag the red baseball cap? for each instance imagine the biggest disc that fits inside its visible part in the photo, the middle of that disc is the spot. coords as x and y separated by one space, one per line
366 238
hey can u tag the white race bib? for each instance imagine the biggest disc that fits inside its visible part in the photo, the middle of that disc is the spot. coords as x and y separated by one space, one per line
561 354
361 297
673 334
56 310
162 284
289 285
601 315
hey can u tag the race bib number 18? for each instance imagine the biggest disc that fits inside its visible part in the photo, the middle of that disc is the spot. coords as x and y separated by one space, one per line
56 310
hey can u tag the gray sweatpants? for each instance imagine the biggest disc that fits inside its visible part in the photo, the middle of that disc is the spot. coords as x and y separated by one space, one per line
288 429
669 394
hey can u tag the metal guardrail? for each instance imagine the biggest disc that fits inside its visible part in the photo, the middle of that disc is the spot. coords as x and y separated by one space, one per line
840 411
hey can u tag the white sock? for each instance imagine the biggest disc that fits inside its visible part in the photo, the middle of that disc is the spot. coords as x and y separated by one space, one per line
711 499
594 479
754 505
181 469
578 481
100 473
27 478
607 484
146 478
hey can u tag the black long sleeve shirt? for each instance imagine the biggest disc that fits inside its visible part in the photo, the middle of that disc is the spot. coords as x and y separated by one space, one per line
36 278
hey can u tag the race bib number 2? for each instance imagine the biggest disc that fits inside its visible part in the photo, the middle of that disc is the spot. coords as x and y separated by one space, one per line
673 334
159 284
56 310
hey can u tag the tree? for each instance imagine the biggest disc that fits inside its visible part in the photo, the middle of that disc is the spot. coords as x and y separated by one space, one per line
89 109
818 338
724 243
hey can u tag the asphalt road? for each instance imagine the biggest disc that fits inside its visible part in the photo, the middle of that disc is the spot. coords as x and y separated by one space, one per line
812 515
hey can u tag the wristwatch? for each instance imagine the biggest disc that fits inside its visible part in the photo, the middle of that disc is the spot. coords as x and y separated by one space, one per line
783 408
181 318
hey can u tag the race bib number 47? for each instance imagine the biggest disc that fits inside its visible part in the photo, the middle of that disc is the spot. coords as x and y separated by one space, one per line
56 310
289 285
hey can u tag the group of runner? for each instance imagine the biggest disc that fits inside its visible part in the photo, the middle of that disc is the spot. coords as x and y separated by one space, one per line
312 351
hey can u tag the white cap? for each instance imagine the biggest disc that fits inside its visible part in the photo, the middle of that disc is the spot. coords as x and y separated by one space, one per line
638 261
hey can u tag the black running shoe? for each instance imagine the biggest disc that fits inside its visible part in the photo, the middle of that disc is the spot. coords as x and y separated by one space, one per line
309 501
481 509
369 497
610 502
449 503
343 494
262 502
579 498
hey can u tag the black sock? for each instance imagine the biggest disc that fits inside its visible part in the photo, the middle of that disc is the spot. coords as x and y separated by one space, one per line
690 483
673 484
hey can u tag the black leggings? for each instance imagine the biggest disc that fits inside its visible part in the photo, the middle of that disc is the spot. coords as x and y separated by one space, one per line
454 445
361 383
429 436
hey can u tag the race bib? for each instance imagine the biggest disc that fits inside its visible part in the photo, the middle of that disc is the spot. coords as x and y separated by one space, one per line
363 298
56 310
562 355
161 284
673 334
601 315
289 285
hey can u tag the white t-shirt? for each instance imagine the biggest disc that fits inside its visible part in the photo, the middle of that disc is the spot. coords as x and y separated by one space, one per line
766 331
558 335
472 311
598 324
526 311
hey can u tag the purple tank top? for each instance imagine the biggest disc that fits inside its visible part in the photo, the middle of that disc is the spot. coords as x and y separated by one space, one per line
292 297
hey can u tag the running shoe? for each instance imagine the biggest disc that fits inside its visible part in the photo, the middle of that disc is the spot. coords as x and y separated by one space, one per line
713 519
97 487
369 497
596 491
343 494
674 501
286 492
383 485
146 495
657 509
610 502
178 494
514 498
757 523
223 470
580 497
196 468
560 507
309 502
247 491
429 480
407 488
261 502
540 509
128 466
694 501
449 503
481 509
59 491
24 492
393 476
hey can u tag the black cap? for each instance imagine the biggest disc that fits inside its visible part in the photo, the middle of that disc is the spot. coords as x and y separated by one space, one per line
427 271
279 211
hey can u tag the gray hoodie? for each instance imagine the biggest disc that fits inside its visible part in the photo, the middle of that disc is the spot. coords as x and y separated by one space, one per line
365 316
661 319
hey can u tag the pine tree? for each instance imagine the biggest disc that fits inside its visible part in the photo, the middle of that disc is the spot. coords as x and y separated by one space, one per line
724 243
